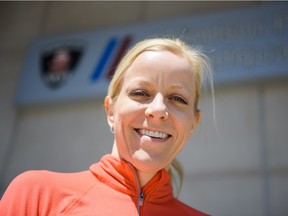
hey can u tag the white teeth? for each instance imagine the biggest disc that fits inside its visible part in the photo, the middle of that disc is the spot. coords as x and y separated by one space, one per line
153 134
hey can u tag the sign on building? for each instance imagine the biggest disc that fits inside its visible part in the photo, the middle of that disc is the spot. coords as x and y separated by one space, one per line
245 45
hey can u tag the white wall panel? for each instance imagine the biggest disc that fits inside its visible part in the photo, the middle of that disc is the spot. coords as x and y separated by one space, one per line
174 8
89 15
20 22
231 142
60 138
279 194
276 103
225 195
9 67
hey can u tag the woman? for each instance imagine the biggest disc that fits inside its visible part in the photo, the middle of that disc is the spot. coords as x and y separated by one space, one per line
152 110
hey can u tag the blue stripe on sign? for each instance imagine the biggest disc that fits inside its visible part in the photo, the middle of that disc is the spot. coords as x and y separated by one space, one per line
104 58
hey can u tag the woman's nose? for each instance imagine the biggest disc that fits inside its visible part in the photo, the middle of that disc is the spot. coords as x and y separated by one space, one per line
157 108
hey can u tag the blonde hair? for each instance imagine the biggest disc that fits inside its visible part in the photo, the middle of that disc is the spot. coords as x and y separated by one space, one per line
200 65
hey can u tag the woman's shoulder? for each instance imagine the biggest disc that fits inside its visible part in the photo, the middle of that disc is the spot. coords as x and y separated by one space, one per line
32 177
28 181
42 189
49 179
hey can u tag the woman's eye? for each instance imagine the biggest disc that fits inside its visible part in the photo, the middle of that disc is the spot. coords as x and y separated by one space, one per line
139 93
179 99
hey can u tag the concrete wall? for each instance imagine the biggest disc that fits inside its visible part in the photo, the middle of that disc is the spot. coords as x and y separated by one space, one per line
237 165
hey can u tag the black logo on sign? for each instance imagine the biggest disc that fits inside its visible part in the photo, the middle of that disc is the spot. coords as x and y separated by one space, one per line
59 62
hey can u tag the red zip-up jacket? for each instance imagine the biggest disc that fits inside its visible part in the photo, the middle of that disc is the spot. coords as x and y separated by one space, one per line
110 187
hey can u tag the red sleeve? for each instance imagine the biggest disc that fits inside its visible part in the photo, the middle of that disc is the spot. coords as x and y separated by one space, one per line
27 195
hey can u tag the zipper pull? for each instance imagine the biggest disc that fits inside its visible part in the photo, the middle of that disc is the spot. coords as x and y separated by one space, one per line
141 199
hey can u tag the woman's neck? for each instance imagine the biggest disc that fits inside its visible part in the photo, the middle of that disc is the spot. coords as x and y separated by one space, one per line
143 177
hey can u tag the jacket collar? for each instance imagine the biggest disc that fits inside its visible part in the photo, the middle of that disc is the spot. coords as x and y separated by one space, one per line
120 175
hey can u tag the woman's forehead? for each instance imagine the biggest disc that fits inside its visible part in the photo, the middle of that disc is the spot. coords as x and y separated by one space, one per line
159 60
160 68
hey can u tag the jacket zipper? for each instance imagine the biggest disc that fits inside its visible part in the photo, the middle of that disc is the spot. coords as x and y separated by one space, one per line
141 194
141 199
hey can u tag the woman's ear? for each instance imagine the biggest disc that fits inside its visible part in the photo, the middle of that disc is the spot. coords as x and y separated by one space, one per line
197 119
108 103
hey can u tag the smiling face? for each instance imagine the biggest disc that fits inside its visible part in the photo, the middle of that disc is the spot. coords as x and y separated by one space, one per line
153 115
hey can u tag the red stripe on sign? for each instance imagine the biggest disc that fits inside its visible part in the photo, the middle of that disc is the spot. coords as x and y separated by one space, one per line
123 47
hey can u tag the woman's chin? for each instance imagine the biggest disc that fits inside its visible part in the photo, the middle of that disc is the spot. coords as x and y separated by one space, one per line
146 162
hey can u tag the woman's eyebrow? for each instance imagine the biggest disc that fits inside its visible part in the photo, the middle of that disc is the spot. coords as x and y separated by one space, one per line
180 87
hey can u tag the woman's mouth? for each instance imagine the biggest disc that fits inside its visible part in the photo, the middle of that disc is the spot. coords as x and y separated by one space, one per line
153 134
